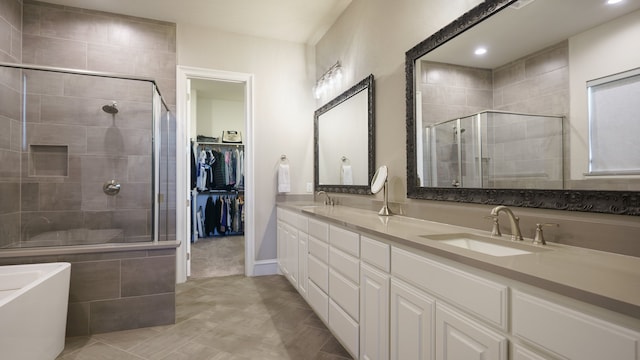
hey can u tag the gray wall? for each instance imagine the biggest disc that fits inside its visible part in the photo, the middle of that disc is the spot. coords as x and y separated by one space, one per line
109 291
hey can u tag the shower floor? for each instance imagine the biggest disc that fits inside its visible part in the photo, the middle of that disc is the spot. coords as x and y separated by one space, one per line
217 256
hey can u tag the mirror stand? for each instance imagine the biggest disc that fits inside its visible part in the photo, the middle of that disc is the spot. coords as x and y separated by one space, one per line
385 207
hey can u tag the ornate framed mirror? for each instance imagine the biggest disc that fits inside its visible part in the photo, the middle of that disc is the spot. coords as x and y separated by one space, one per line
344 141
538 70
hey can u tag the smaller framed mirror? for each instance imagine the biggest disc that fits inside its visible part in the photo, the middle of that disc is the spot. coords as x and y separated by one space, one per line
344 138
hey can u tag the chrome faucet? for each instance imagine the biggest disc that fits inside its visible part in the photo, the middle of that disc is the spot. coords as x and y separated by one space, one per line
513 220
328 200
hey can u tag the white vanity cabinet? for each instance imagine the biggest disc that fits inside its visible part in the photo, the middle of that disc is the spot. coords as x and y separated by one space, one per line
385 300
446 295
374 299
292 244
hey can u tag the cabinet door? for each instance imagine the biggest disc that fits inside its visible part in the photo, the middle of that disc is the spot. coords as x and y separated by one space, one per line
374 314
303 256
459 337
412 323
292 254
282 236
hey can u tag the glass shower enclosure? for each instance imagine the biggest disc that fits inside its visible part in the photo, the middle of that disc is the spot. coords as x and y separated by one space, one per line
85 158
495 149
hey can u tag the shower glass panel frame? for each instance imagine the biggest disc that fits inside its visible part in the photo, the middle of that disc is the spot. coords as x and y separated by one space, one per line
88 157
496 149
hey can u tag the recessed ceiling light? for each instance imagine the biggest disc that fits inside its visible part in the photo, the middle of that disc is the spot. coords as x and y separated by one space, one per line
480 51
612 2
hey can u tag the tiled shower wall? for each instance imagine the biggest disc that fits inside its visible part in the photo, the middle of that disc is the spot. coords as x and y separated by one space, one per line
75 38
10 51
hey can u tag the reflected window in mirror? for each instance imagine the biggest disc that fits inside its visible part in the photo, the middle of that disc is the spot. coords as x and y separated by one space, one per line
614 125
344 154
527 70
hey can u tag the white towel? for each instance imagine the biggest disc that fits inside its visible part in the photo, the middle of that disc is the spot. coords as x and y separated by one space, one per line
284 181
347 175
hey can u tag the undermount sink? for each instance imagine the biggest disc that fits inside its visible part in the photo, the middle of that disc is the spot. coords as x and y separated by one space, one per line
484 245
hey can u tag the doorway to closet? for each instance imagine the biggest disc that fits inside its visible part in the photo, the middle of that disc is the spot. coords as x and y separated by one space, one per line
216 223
217 122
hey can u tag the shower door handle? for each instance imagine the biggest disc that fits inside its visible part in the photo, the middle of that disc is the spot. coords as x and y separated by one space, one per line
111 187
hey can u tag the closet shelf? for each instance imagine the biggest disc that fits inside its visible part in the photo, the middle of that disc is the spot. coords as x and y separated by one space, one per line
221 191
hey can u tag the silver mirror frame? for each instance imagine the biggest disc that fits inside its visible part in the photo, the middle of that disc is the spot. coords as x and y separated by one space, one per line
365 84
609 202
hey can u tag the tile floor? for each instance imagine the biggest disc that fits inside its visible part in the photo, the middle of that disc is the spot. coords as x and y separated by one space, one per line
233 317
217 256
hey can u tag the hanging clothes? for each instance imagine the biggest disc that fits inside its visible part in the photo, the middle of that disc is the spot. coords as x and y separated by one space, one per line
209 214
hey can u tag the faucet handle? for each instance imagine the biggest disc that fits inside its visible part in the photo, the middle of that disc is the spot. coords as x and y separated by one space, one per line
539 238
495 230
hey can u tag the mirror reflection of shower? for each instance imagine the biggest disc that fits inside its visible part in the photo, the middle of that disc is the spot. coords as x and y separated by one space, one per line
111 108
455 134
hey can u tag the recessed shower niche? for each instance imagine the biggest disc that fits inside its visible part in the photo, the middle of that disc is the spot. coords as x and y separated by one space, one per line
48 160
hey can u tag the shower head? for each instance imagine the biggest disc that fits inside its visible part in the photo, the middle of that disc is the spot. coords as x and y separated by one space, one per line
111 109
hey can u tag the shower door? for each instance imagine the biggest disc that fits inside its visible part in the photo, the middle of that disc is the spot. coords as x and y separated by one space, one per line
87 159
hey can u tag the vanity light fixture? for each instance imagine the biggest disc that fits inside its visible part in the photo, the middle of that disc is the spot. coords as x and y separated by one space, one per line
330 79
613 2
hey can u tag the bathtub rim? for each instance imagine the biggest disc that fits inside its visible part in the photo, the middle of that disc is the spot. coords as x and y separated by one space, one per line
87 249
44 272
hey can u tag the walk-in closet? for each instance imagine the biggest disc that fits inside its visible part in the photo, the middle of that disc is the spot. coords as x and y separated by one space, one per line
217 178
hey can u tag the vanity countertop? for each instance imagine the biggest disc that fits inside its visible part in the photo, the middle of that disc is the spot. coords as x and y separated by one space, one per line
608 280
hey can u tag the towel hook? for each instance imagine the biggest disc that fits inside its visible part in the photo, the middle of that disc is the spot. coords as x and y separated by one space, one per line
283 158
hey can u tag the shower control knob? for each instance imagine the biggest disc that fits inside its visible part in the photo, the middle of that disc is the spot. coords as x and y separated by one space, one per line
111 187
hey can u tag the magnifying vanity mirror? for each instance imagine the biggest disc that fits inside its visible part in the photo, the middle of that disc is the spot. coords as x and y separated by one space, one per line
503 107
344 153
379 182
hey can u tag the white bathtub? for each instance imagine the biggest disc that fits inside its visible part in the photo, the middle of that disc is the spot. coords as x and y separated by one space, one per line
33 310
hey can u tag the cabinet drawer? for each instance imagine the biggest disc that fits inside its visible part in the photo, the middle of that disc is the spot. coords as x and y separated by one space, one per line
302 223
345 264
287 216
319 302
489 299
319 249
344 293
345 329
570 333
375 253
345 240
318 273
318 230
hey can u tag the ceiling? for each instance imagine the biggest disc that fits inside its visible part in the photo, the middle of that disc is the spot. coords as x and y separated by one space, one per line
514 33
301 21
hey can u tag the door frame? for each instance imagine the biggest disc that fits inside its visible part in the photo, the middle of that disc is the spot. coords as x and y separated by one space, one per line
183 156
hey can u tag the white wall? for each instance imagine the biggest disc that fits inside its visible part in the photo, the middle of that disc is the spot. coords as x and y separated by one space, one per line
283 110
372 36
612 40
216 116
